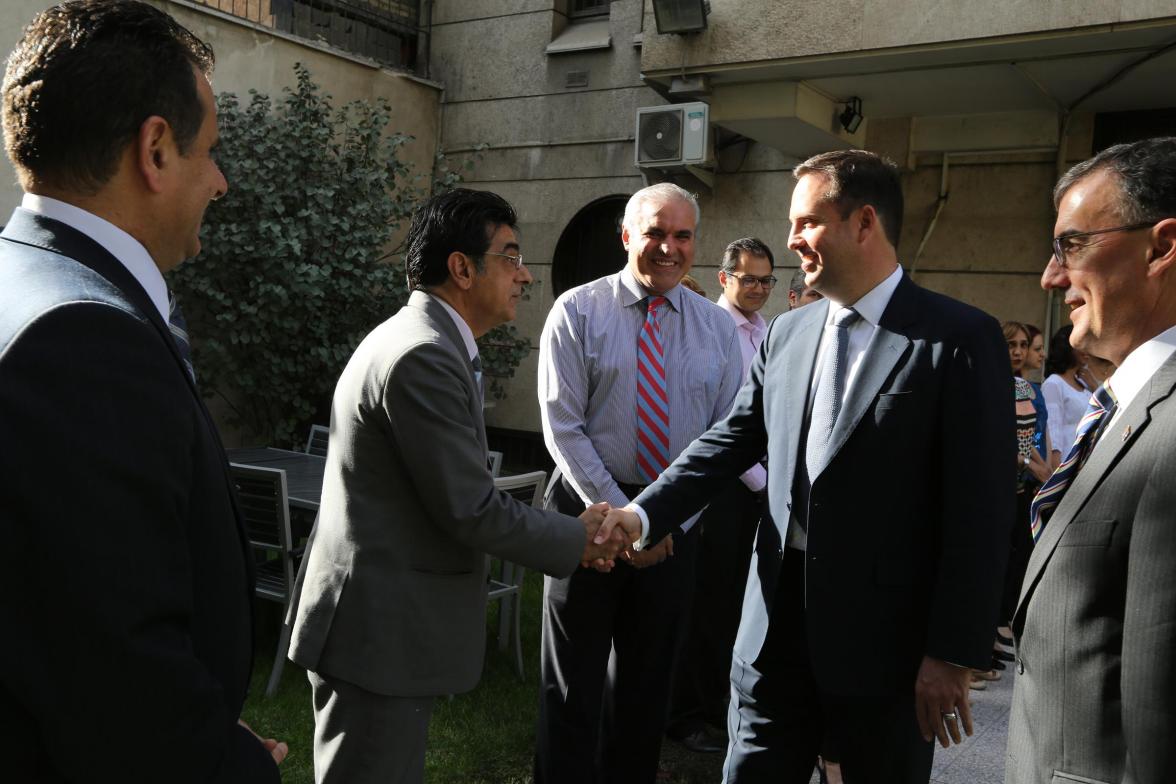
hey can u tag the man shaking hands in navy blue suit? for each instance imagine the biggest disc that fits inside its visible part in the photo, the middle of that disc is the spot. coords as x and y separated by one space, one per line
884 411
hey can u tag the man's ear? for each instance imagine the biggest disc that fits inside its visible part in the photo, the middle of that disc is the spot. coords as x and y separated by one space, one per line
1163 249
867 220
154 147
625 236
723 278
461 270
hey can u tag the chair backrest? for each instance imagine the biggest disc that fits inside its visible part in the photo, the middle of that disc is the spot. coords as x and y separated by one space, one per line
261 493
316 442
495 461
527 488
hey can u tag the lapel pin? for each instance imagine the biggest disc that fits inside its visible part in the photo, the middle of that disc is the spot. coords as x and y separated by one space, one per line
1126 432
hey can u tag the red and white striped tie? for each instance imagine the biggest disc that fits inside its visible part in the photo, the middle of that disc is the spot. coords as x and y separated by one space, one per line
653 404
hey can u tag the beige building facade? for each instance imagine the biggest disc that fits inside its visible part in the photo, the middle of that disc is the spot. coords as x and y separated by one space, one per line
981 105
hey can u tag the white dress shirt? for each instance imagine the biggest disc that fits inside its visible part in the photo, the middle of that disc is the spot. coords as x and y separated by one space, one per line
126 249
1066 407
869 308
1137 369
467 334
751 332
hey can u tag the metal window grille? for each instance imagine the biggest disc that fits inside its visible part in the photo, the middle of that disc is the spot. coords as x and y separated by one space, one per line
590 7
387 31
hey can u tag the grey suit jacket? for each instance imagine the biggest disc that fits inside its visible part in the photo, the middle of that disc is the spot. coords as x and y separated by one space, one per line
1095 698
393 587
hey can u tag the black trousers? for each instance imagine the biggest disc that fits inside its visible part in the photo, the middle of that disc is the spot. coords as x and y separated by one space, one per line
702 679
779 715
606 663
1020 548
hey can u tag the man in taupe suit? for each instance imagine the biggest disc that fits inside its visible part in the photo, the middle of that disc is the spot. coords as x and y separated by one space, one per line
393 590
1095 698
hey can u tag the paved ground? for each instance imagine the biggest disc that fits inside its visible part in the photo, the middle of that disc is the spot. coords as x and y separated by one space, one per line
978 760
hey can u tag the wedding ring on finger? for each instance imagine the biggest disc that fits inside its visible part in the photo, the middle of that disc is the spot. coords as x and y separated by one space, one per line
949 716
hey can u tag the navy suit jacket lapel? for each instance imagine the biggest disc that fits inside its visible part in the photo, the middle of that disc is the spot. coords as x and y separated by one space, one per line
42 232
38 231
887 346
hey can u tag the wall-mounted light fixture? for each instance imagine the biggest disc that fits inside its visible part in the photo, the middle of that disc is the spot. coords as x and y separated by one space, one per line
851 117
680 16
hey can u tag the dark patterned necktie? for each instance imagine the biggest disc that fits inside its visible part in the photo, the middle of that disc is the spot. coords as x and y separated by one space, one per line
179 330
1101 407
829 392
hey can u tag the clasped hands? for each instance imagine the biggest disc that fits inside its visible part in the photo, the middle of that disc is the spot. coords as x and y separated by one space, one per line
611 533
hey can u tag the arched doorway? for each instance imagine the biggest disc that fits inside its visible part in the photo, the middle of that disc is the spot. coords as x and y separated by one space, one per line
590 246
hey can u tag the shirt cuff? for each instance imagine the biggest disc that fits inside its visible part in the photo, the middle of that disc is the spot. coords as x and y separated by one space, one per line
644 540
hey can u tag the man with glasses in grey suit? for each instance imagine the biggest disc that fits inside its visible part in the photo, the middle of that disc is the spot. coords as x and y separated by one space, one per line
392 601
1095 627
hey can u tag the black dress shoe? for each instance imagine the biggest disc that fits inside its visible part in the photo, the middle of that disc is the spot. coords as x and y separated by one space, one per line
702 743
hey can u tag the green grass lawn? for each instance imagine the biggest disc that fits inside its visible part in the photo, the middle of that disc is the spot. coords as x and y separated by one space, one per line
484 737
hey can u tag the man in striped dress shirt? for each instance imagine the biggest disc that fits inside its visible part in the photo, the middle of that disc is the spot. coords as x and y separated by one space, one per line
631 369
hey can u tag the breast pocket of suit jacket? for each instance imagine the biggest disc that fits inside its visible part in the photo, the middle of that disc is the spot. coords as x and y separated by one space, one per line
1088 533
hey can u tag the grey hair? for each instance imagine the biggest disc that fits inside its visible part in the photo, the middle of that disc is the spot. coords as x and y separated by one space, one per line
1145 171
661 192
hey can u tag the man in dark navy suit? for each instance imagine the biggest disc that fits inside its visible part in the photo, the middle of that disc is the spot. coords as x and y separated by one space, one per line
126 592
885 413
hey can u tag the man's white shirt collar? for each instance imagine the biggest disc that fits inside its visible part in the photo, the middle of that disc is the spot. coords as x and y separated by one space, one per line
467 334
873 303
1140 365
126 249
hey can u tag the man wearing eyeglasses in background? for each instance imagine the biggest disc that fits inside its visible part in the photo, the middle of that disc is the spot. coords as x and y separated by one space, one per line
1095 697
702 677
632 367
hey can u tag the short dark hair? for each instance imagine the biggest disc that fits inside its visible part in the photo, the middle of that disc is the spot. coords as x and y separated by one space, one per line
460 220
857 178
83 78
797 285
1146 173
749 245
1061 354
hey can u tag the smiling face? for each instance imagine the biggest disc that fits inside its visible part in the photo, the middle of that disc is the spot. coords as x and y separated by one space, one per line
1105 281
660 243
823 239
747 299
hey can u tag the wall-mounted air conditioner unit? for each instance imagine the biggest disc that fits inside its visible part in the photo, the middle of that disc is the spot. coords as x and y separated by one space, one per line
669 137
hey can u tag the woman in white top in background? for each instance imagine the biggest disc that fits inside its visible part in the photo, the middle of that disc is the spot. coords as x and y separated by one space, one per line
1067 389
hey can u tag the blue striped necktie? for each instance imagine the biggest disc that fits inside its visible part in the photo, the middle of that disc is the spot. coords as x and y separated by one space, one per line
1102 405
653 403
179 330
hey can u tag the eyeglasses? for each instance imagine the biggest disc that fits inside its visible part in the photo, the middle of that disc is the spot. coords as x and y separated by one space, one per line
1063 244
747 281
517 261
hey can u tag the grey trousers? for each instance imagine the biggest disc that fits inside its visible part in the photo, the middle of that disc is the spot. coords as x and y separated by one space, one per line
366 738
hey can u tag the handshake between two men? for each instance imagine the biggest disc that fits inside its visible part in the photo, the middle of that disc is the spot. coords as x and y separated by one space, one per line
612 533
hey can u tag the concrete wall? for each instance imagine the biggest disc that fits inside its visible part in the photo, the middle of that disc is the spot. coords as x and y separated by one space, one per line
750 30
553 150
253 57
